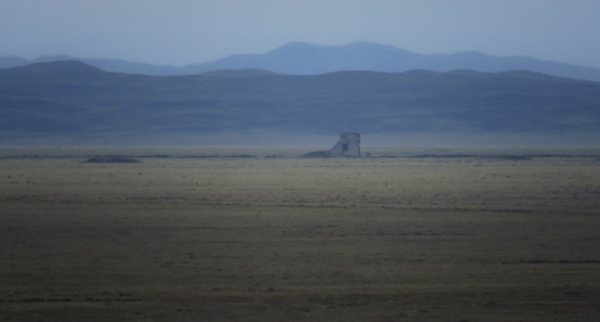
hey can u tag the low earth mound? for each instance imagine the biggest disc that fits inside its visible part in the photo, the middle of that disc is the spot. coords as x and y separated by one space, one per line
316 154
111 160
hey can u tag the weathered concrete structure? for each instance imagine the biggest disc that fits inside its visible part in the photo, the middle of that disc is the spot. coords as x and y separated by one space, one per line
347 146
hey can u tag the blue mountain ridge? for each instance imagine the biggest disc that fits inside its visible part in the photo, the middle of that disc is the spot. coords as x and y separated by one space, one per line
309 59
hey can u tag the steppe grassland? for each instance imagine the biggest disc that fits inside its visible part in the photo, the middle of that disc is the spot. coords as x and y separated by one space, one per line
302 238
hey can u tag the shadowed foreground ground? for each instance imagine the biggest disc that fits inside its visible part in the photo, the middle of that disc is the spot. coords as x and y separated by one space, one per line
400 239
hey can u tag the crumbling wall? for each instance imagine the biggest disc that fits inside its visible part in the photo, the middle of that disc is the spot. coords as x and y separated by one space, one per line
347 146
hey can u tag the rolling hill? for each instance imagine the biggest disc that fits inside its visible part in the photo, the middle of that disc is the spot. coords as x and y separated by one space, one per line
75 100
309 59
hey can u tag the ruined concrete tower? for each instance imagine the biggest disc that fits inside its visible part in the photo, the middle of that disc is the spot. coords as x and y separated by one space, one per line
347 146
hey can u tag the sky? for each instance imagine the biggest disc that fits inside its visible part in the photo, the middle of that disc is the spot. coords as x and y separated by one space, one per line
180 32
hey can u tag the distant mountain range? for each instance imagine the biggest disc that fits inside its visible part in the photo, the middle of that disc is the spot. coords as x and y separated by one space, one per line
75 100
308 59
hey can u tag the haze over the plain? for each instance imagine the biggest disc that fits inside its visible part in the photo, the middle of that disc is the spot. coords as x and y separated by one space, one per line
184 32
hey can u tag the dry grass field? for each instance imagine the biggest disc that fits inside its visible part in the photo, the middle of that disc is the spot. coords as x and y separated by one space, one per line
204 236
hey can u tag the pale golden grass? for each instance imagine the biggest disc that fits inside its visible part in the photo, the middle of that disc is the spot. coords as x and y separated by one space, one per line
415 239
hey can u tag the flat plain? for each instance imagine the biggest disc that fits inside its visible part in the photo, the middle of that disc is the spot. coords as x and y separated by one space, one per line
258 234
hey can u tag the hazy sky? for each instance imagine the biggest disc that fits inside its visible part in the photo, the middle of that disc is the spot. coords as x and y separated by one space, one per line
180 32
